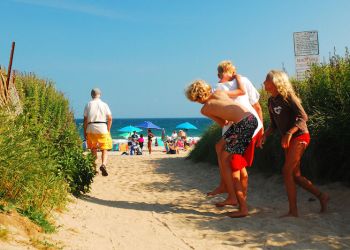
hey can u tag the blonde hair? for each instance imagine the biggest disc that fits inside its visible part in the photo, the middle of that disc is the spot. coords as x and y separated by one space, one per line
226 66
281 81
198 91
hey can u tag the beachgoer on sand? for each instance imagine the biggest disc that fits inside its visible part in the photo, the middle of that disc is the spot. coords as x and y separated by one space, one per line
222 109
229 81
287 115
97 127
135 136
150 135
141 140
174 135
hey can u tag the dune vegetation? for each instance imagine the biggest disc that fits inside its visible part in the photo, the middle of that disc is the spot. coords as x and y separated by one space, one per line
41 158
325 97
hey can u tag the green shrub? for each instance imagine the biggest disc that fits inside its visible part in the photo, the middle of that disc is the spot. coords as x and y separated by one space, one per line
205 148
52 125
41 158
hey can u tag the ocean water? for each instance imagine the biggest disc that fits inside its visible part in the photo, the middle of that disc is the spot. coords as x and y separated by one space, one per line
169 124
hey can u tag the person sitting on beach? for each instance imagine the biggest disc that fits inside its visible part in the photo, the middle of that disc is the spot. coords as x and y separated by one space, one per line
219 107
172 147
288 116
182 134
97 127
231 82
180 143
174 135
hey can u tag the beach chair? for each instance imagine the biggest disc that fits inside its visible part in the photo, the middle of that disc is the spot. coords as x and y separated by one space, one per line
115 147
123 147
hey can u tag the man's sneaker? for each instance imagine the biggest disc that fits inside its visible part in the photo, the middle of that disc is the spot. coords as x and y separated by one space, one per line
103 170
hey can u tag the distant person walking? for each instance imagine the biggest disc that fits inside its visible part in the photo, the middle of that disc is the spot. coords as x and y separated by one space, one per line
150 135
97 127
288 116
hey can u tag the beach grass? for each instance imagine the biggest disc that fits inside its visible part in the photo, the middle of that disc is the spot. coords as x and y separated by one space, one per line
3 234
41 158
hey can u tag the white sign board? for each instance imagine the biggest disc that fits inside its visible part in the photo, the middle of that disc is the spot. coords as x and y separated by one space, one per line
306 49
303 64
306 43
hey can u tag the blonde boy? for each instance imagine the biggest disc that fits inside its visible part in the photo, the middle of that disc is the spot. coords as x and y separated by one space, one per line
222 109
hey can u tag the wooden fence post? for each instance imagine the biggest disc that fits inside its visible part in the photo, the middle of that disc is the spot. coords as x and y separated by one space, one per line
10 66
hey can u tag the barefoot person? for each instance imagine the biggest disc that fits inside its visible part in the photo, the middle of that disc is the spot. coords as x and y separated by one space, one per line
97 127
150 135
230 82
222 109
289 118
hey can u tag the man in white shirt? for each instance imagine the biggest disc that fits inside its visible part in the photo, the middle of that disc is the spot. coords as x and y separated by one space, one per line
174 135
97 127
250 100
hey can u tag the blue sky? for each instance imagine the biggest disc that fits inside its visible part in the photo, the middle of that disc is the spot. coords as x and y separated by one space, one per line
142 54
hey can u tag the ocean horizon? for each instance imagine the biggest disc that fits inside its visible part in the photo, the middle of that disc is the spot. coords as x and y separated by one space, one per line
169 125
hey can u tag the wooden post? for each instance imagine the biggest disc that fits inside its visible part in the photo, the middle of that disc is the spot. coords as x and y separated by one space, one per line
10 66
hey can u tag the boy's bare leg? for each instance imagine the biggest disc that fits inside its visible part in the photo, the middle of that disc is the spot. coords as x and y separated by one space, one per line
244 181
308 186
219 147
243 208
228 179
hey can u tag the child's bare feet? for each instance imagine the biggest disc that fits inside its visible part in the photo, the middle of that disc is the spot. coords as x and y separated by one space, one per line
216 191
324 198
227 202
237 214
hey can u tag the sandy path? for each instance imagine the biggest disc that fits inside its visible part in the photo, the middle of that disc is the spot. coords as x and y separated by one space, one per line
158 202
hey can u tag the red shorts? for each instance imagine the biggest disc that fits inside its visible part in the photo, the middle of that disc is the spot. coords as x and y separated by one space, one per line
304 138
246 160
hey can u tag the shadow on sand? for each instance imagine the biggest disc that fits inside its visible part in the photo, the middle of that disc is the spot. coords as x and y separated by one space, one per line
257 230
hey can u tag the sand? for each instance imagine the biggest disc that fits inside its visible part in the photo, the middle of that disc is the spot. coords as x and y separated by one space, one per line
158 201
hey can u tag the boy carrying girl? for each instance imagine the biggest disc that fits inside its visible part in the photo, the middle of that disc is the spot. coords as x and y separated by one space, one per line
219 107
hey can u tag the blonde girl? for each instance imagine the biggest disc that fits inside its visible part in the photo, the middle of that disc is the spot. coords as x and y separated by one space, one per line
288 117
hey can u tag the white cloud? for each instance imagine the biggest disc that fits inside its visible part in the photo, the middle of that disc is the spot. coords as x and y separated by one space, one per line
74 7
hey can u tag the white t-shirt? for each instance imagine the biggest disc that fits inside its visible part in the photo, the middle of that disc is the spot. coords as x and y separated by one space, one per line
250 98
174 135
97 111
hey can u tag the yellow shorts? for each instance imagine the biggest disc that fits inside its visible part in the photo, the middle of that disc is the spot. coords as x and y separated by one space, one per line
101 141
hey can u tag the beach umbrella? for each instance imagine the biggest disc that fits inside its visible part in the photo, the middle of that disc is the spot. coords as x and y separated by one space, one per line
148 124
129 129
125 135
186 125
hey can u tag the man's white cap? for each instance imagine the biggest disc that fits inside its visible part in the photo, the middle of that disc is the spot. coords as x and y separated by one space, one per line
95 92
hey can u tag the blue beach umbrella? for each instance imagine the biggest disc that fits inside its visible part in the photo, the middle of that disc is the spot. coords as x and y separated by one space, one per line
129 129
186 125
148 124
